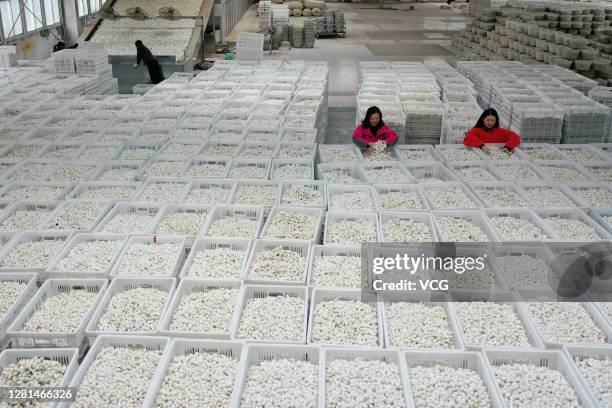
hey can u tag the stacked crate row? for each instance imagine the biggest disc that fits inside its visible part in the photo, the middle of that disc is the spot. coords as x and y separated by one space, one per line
8 56
570 35
90 64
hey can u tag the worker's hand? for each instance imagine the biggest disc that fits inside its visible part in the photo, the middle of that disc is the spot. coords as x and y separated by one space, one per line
507 150
486 149
134 65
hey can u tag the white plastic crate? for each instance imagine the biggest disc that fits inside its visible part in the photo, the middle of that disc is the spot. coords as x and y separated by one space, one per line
401 174
319 295
122 208
587 352
334 190
383 189
481 170
115 272
500 186
129 169
454 359
339 153
551 359
226 185
562 189
46 206
31 236
367 354
524 214
601 215
54 272
421 153
580 153
83 188
305 166
261 134
29 279
264 291
253 213
542 151
119 285
531 171
345 173
336 216
320 251
573 214
448 153
430 172
316 213
257 150
562 171
193 285
426 187
191 209
133 342
137 151
50 288
186 347
300 247
577 189
474 217
598 170
261 167
421 217
203 244
68 357
315 185
255 354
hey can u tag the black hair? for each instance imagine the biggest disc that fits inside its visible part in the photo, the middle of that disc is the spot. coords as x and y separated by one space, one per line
487 112
372 110
138 42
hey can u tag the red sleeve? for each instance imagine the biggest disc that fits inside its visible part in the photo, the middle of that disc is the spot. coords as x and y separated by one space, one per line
391 136
471 139
512 139
359 137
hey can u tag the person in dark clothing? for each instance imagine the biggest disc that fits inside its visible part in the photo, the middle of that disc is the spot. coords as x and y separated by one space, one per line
146 56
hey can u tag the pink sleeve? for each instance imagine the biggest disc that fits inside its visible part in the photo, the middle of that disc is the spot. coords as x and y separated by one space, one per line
358 135
391 136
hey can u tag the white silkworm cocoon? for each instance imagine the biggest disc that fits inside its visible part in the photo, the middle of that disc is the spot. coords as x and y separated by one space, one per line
601 172
133 310
352 201
524 271
207 311
528 385
501 197
300 121
336 271
258 152
117 193
296 151
33 172
387 174
98 153
292 171
255 136
89 257
147 259
351 231
21 151
562 173
517 172
549 197
489 324
129 223
71 173
337 154
302 196
400 200
61 313
473 279
218 263
183 149
168 168
118 174
198 380
293 225
596 197
32 372
34 193
418 325
377 155
581 155
416 155
516 229
405 230
62 153
278 264
566 322
358 383
449 197
273 318
208 195
9 293
77 216
281 383
137 153
25 219
220 150
541 153
340 176
474 173
233 227
343 321
570 229
596 372
207 170
496 153
248 171
162 192
459 155
454 229
118 373
455 387
181 223
255 195
34 254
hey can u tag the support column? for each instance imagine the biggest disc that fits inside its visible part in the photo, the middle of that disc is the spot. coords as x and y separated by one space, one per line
72 25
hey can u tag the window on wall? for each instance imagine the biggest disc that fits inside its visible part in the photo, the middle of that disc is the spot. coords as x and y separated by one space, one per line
11 18
94 5
52 12
82 7
33 14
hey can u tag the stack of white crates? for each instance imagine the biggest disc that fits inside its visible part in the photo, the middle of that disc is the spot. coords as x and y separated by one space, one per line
8 56
265 14
249 46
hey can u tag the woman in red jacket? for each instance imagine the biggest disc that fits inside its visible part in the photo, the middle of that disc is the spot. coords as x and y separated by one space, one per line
373 130
487 130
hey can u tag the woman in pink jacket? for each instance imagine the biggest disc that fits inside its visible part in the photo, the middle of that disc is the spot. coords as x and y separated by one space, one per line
373 130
